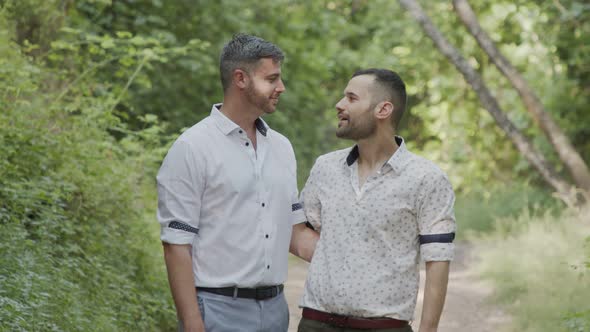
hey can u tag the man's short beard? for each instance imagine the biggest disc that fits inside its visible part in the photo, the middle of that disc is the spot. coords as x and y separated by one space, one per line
259 101
364 129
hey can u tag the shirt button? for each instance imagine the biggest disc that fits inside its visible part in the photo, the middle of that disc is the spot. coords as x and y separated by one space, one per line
267 236
268 267
240 131
247 143
263 205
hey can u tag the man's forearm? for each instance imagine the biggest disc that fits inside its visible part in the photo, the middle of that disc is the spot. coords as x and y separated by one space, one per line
180 276
435 291
303 242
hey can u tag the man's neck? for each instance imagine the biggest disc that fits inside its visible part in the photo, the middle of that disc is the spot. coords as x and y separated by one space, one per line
241 113
376 150
373 154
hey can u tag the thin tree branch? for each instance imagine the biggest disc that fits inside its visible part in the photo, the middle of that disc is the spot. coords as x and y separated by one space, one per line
558 139
536 159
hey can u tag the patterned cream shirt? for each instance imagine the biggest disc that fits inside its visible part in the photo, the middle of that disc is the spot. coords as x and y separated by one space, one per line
371 237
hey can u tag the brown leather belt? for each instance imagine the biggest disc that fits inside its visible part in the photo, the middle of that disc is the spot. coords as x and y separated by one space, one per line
353 322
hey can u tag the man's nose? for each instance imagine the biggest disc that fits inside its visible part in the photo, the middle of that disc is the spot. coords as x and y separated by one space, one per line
281 87
339 105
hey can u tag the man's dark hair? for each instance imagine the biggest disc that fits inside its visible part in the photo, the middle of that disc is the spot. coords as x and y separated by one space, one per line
392 88
243 52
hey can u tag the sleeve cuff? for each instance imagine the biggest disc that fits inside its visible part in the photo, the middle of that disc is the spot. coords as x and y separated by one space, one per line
176 236
298 216
436 238
437 252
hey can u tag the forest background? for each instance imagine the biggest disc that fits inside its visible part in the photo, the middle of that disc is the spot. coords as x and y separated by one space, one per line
93 92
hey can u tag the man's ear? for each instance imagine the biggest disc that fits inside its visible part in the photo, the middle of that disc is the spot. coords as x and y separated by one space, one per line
384 110
240 78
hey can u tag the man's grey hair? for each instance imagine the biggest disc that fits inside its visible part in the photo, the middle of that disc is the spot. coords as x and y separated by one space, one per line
243 52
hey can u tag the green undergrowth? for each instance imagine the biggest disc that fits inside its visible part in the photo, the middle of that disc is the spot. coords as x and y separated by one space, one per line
540 267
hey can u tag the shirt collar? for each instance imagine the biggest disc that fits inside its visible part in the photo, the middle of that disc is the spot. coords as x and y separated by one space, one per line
227 126
397 161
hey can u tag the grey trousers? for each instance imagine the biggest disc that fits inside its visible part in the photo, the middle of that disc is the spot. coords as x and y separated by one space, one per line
227 314
308 325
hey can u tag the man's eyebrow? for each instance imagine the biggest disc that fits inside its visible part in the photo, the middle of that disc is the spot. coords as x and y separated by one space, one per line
274 75
350 94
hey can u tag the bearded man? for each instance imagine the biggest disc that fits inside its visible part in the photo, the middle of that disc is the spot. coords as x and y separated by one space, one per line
379 209
228 203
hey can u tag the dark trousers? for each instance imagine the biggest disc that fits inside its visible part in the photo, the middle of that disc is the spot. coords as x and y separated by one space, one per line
308 325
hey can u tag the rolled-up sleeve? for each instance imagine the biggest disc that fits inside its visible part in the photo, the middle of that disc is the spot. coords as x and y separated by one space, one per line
180 185
310 198
436 219
298 216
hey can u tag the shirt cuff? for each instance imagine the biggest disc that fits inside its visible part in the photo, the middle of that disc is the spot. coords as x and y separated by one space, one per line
176 236
437 252
297 215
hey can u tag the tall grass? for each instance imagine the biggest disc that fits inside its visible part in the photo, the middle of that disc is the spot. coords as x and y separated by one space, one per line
540 267
477 210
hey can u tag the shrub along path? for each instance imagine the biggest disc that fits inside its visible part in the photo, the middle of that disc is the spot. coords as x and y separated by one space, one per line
467 307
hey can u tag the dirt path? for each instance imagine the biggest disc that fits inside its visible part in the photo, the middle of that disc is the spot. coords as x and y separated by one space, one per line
466 308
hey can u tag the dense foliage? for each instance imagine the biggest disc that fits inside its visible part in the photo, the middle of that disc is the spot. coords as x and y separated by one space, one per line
93 91
326 41
75 250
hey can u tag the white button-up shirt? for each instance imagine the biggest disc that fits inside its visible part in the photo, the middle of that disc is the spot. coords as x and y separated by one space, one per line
235 205
372 236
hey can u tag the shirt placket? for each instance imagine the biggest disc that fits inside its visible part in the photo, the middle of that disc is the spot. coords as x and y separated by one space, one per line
248 146
375 179
257 157
354 180
263 200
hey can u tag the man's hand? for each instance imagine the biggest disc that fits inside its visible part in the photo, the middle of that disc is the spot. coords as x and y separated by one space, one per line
303 241
435 291
182 284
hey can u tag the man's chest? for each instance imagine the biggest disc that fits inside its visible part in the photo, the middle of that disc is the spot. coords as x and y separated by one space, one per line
244 171
386 203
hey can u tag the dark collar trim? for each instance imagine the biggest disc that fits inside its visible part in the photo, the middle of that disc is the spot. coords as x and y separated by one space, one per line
260 126
353 155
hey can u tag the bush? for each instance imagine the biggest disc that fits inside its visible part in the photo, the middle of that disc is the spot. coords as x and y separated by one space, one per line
79 248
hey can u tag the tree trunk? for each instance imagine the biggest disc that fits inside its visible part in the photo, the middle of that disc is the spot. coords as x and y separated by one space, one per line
488 101
568 155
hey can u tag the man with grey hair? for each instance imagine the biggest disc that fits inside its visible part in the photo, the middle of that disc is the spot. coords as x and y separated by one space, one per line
228 203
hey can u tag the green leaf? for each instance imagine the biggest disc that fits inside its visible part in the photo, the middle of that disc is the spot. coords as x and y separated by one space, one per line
107 43
124 34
